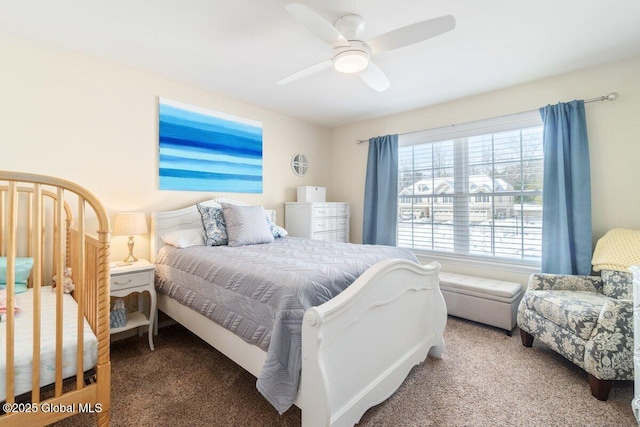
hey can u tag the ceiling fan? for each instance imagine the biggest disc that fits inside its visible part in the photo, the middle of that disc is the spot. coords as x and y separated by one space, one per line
351 54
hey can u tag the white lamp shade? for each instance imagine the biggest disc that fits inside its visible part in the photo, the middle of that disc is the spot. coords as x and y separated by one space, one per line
128 224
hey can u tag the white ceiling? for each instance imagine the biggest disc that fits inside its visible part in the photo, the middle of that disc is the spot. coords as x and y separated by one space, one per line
241 48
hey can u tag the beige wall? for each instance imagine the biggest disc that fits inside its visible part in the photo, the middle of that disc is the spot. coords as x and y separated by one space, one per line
613 127
95 123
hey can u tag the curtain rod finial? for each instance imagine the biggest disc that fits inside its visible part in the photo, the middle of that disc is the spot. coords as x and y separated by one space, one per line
612 96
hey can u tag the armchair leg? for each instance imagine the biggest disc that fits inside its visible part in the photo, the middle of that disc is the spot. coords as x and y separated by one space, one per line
600 388
527 338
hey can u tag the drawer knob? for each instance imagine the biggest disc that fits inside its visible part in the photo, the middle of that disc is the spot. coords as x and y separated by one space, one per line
116 282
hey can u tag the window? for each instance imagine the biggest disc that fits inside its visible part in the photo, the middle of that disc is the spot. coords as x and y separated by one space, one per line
473 190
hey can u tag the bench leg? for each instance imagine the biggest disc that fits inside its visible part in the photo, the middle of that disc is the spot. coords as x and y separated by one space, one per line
527 338
600 388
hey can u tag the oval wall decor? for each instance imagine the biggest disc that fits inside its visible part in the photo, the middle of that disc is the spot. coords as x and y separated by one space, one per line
299 164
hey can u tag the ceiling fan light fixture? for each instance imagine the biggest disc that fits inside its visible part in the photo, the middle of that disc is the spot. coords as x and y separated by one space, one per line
351 61
351 52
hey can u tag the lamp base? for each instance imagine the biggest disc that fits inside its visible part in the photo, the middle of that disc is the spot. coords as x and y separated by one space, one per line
123 264
130 259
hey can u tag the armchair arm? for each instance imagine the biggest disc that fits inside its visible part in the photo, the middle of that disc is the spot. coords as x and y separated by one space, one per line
609 351
565 282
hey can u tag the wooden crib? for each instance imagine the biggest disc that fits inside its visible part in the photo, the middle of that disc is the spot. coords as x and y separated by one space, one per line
56 225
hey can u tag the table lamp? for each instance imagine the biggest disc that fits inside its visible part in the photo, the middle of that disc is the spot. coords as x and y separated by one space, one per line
128 224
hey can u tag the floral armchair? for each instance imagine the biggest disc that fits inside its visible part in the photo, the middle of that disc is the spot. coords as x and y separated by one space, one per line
587 319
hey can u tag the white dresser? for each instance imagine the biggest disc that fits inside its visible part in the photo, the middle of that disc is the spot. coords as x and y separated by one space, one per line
320 221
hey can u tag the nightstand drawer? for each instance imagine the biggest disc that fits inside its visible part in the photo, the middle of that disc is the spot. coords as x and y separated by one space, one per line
129 280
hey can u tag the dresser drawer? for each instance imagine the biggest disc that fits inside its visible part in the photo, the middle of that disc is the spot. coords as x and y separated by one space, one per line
342 210
321 224
322 211
324 224
330 210
327 236
341 224
130 280
342 236
329 224
332 236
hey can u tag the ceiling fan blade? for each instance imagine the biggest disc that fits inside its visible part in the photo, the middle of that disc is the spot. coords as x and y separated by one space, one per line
411 34
374 77
316 24
307 71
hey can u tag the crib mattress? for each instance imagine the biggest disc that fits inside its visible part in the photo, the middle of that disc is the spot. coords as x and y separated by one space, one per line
24 342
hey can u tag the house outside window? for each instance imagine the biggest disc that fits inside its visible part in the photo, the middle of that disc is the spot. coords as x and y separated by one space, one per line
473 190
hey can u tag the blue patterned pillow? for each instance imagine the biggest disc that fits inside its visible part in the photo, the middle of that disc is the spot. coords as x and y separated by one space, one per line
215 230
276 230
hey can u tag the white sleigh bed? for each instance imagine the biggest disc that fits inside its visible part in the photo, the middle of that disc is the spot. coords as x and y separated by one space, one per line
357 348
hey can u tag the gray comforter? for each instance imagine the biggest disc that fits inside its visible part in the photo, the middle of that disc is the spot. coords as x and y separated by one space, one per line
260 292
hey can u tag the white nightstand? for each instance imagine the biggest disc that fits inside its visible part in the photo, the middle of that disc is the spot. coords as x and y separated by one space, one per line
137 277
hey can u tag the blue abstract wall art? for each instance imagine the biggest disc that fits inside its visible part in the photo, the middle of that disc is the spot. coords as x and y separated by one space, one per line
206 150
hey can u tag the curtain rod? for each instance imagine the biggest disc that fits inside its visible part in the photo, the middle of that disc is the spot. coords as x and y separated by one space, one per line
612 96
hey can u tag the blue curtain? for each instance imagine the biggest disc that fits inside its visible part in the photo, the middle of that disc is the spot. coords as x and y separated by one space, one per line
381 192
566 211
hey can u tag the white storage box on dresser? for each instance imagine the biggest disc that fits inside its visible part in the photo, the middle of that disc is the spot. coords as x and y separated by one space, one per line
312 194
319 221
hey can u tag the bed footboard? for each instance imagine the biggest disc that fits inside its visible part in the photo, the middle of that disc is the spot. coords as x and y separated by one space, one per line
360 346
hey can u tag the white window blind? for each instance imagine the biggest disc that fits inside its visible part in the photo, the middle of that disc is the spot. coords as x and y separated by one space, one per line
473 189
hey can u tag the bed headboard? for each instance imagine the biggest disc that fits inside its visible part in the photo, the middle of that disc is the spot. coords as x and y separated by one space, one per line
163 222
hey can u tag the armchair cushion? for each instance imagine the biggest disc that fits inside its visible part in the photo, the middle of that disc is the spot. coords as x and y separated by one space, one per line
617 284
575 311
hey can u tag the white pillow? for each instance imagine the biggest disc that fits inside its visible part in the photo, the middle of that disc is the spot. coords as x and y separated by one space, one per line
184 238
229 201
246 225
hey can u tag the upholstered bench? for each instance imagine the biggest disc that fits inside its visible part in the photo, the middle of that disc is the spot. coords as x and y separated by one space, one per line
488 301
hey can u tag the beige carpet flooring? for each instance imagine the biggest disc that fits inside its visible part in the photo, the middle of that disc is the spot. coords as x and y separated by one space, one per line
484 379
